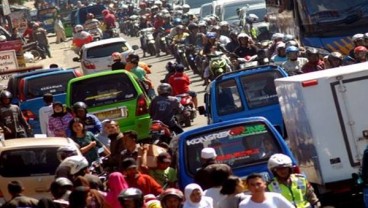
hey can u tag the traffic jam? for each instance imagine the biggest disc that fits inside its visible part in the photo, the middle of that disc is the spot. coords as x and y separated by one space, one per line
183 104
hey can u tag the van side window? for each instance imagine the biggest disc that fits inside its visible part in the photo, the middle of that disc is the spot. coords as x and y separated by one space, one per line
227 98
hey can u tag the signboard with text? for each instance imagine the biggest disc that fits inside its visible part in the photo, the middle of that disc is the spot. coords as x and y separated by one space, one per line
8 62
16 47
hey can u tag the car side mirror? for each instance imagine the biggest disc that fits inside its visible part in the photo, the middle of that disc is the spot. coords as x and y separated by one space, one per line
76 59
135 47
201 110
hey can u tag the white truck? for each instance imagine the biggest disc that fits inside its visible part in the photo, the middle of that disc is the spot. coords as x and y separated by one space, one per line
326 119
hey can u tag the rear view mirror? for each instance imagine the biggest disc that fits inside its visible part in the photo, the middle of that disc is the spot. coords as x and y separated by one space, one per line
135 47
201 110
76 59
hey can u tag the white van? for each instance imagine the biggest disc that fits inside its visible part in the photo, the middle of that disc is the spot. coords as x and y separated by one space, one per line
226 10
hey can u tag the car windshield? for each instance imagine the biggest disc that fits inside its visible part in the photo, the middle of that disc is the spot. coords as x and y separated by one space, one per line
260 89
260 12
106 50
28 162
96 10
54 84
206 10
230 11
197 3
228 98
115 88
238 146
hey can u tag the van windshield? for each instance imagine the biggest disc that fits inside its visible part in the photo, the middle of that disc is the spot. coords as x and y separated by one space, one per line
28 162
115 88
54 84
238 146
106 50
260 89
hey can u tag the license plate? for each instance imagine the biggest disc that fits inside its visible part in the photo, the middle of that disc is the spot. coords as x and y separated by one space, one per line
112 114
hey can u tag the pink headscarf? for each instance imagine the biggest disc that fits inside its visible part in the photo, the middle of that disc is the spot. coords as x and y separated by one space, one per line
116 184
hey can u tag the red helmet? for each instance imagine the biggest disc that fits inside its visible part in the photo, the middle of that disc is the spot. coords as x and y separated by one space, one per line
116 56
172 192
360 49
105 12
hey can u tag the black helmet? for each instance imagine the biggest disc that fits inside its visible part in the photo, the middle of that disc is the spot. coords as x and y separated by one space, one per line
192 26
6 94
164 89
79 105
131 193
312 51
170 66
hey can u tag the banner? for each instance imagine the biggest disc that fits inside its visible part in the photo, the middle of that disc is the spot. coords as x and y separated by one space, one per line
8 62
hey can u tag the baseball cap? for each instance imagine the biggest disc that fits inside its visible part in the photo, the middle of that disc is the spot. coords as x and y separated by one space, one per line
164 157
208 153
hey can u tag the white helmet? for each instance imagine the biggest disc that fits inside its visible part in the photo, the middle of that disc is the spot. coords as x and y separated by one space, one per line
186 7
279 160
358 36
78 28
158 3
66 151
243 35
277 36
2 38
76 163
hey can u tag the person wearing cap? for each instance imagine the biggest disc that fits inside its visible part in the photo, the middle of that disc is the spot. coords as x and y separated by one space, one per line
165 175
245 48
60 190
141 75
143 65
59 121
204 175
280 56
45 112
136 179
15 189
358 40
180 82
40 35
314 62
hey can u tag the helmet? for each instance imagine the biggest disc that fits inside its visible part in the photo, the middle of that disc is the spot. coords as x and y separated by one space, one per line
180 27
292 43
358 36
211 35
6 94
62 181
178 7
154 7
312 51
132 193
90 16
171 192
76 163
164 89
288 37
66 151
116 56
142 5
279 160
215 28
170 66
79 105
360 49
202 24
277 36
224 24
78 28
2 38
243 35
36 25
251 18
177 21
186 8
179 67
158 3
192 26
292 49
335 55
105 12
280 45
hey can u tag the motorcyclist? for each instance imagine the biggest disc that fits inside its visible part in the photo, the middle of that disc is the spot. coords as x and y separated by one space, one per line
193 41
12 121
334 59
164 107
176 22
109 21
132 198
224 28
358 40
92 24
186 8
143 22
143 8
233 44
180 82
158 3
72 167
294 187
360 54
62 153
223 40
171 198
91 122
294 64
280 56
117 59
314 62
277 37
202 25
170 68
80 38
179 38
246 48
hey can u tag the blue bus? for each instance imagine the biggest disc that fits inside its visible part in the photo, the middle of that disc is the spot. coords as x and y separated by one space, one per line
324 24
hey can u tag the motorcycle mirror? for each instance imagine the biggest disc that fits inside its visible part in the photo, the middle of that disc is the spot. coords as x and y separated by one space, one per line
76 59
135 47
201 110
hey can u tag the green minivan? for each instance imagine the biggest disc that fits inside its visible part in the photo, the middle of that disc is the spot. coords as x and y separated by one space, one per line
115 95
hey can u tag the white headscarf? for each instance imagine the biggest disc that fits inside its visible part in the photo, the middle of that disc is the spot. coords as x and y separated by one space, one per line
205 202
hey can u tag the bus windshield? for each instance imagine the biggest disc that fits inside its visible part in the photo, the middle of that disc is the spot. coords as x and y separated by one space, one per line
196 3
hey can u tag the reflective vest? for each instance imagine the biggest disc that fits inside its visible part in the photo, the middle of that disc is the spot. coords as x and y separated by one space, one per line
295 193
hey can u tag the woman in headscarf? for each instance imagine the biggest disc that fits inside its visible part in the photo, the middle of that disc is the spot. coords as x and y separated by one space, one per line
194 197
116 184
59 120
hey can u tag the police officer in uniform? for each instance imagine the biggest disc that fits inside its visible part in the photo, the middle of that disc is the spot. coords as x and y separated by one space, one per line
294 187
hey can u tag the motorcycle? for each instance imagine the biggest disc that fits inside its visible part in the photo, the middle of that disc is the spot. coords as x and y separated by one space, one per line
148 41
96 34
182 57
37 52
191 53
161 40
160 133
217 64
186 117
133 29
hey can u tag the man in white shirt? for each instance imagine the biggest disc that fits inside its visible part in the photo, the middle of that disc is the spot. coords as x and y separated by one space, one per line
260 198
45 112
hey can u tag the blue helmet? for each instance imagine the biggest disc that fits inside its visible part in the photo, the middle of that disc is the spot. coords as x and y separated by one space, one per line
211 35
292 49
177 21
